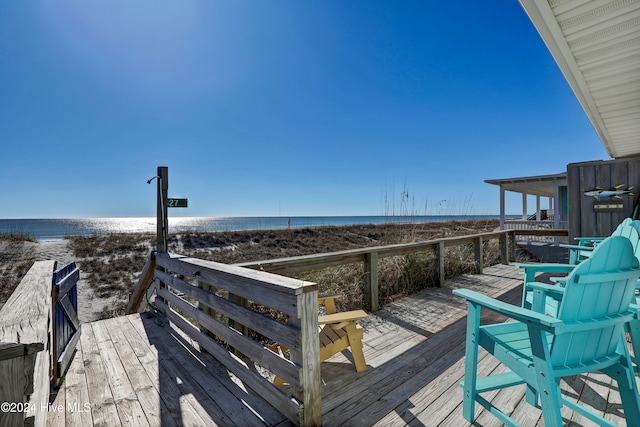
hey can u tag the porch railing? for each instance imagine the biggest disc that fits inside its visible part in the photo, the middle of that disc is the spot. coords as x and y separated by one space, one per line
527 225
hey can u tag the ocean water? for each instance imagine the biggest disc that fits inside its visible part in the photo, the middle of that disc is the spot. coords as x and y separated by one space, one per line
54 229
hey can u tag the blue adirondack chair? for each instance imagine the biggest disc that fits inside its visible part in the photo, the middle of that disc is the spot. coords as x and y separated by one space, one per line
587 241
552 301
586 244
530 270
587 335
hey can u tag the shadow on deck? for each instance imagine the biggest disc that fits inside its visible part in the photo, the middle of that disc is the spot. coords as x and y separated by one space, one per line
133 372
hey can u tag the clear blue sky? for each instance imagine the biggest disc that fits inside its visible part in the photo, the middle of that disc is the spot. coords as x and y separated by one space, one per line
267 108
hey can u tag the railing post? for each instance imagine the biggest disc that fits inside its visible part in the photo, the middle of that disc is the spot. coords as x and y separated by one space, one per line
477 250
440 254
504 248
371 281
309 360
512 239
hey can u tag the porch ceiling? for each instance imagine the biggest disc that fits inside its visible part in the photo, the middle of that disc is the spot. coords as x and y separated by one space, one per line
542 185
596 44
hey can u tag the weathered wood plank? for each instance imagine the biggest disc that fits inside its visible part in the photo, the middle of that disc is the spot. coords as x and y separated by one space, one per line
24 325
76 396
188 391
235 400
102 403
127 404
278 331
155 411
266 288
57 418
311 413
24 317
371 291
142 285
238 404
65 283
150 350
258 353
281 401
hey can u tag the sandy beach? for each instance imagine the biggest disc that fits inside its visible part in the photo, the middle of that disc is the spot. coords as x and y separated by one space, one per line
90 305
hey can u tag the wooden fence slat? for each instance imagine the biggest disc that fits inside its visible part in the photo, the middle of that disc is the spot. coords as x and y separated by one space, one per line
251 284
70 311
278 331
258 353
144 281
67 282
269 392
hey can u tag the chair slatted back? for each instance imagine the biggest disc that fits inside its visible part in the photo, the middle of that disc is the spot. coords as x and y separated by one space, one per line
598 291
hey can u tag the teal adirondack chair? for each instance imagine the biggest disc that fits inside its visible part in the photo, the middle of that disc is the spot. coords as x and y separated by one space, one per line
583 241
530 271
552 301
586 244
587 335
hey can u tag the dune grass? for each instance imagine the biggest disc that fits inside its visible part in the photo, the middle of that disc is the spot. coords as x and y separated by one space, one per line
16 237
113 263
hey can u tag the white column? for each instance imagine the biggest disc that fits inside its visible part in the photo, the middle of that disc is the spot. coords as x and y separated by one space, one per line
538 216
524 206
557 210
502 208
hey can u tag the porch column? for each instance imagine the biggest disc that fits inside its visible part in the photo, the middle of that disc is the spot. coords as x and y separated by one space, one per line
502 208
557 207
538 215
556 211
524 206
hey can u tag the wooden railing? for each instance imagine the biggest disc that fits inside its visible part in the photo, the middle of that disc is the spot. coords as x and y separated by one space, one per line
370 256
39 330
200 297
24 349
528 225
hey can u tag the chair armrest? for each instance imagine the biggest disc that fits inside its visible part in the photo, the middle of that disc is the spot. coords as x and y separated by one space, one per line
576 251
578 247
530 270
541 294
583 240
524 315
561 281
546 288
343 316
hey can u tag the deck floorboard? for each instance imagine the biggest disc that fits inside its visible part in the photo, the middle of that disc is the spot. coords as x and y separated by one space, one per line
134 372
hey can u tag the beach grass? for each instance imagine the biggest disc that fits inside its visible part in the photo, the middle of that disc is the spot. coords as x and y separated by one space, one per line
16 236
113 263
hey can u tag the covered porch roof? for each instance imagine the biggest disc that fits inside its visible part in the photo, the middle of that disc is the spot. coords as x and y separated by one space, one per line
541 185
596 44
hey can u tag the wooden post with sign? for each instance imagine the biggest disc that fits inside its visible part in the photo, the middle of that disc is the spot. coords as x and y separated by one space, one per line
162 220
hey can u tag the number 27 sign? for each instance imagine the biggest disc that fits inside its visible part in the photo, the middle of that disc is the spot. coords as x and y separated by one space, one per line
177 203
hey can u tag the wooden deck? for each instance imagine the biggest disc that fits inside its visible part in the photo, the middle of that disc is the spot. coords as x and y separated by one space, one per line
130 371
